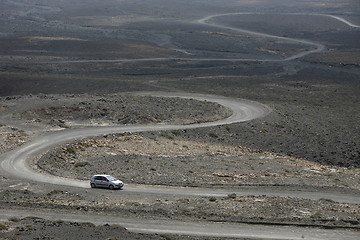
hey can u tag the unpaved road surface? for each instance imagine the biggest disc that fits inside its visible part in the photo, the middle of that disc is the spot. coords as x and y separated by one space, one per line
305 66
206 229
18 164
15 162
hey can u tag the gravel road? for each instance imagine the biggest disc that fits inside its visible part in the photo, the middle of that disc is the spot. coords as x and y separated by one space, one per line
16 164
206 229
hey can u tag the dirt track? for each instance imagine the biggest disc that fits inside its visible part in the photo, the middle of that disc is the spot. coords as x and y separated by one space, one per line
313 127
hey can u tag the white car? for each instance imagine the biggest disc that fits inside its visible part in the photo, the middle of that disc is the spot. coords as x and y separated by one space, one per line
105 181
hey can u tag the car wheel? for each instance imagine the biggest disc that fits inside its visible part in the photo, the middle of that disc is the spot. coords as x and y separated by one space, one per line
111 187
92 185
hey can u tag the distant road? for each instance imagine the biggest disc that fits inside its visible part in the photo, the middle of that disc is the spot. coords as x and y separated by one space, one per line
337 18
317 46
16 164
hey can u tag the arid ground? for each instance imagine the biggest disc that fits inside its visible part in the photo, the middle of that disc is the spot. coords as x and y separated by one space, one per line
68 64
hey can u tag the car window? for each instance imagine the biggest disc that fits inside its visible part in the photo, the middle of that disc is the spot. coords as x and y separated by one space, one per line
111 178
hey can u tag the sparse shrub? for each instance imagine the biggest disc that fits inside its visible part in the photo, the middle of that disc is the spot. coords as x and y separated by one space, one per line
71 150
176 132
56 191
169 236
161 211
114 226
232 195
213 135
87 224
3 227
81 164
264 130
316 215
31 218
166 135
23 133
14 219
212 199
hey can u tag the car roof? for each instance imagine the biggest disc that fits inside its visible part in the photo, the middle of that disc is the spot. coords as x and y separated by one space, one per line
101 175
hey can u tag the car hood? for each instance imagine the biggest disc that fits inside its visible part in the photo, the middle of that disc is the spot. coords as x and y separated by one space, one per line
117 182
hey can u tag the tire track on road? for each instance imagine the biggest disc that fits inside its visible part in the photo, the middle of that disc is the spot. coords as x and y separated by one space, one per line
16 163
205 229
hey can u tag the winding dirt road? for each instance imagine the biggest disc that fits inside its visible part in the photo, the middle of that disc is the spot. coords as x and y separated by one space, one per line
316 47
17 164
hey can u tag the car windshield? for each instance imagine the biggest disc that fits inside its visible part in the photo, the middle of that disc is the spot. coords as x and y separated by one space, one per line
111 178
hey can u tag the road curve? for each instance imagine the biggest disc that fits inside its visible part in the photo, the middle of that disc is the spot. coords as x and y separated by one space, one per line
335 17
16 163
317 47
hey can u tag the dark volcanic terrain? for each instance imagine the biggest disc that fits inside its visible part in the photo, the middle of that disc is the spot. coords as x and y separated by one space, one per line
69 64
